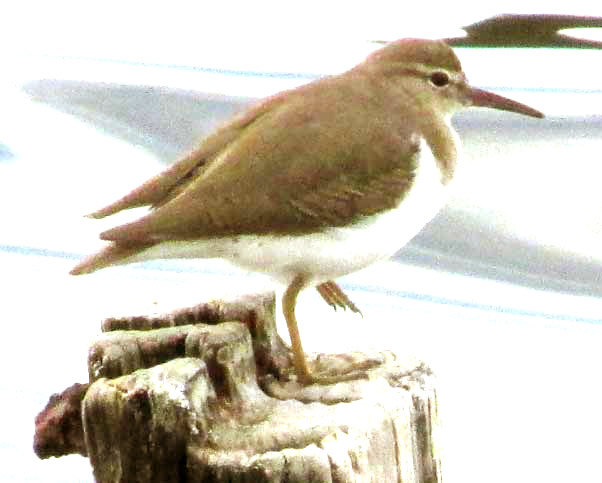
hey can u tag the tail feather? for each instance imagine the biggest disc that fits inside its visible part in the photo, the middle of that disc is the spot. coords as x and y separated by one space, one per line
112 254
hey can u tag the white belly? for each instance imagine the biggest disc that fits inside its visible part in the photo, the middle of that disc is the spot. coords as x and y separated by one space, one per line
331 253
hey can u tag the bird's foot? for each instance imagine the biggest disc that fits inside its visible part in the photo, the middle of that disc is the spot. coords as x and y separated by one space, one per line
325 369
328 379
334 296
334 368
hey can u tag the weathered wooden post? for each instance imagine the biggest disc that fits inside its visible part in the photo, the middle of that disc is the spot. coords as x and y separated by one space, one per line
202 395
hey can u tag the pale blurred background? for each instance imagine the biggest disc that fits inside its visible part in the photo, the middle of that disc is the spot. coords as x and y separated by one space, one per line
500 294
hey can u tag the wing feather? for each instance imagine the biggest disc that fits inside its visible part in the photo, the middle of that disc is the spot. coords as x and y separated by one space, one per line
292 167
169 183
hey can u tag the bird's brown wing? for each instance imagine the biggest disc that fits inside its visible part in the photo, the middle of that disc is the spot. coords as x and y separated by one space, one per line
167 184
323 155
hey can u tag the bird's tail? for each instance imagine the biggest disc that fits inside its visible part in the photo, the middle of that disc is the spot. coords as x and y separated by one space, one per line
112 254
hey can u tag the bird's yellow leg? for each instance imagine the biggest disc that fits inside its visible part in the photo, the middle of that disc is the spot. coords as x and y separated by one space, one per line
289 301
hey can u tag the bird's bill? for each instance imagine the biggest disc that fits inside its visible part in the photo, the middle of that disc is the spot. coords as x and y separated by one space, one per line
481 98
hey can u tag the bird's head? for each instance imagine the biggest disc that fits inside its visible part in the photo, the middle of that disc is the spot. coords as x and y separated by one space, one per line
429 71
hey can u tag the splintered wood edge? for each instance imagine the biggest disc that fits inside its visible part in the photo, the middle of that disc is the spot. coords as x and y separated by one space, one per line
58 427
132 343
242 308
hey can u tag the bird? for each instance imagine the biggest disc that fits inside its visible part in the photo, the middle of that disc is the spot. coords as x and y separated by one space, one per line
312 183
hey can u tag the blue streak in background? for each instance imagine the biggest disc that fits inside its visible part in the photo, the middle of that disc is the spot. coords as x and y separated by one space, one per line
309 76
398 294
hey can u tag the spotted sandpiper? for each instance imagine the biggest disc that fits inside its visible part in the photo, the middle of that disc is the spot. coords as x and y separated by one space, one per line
312 183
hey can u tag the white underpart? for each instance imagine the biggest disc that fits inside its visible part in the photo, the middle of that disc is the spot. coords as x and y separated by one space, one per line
330 253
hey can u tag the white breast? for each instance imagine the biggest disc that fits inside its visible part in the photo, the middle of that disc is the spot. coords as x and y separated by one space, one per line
331 253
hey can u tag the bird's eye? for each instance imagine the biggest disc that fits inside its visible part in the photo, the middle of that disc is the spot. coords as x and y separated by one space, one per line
439 79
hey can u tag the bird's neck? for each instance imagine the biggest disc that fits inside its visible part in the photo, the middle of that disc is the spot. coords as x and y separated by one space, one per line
444 143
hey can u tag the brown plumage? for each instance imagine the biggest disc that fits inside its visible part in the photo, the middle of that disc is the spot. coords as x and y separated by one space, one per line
276 168
308 173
